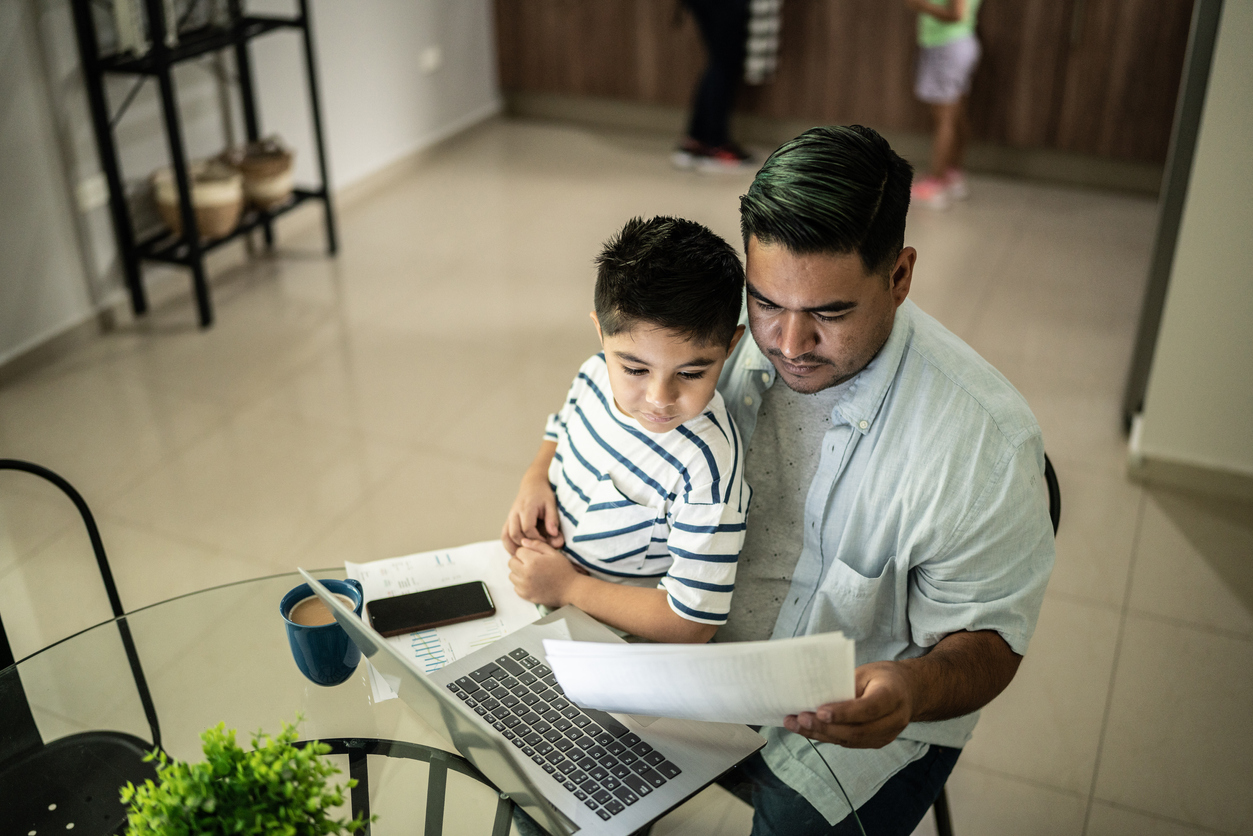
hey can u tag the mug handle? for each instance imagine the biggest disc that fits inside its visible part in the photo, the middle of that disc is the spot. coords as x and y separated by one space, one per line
356 584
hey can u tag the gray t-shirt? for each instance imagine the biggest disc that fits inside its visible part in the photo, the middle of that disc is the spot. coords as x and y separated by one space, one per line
780 464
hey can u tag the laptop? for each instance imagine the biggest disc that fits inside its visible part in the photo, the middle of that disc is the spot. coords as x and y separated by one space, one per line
572 769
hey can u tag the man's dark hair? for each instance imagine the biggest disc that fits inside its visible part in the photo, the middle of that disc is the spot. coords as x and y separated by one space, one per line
839 189
669 273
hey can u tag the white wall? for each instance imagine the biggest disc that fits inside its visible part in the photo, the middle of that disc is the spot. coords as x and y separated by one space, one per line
43 285
1198 409
378 105
59 265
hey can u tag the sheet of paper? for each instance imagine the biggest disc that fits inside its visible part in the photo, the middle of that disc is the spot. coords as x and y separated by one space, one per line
434 648
758 683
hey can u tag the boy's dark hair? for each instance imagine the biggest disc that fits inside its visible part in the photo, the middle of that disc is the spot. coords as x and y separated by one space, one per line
839 189
669 273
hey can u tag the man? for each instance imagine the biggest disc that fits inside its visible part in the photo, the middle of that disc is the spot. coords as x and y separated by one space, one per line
898 494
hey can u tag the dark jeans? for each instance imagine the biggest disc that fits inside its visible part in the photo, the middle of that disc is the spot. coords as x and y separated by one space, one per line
778 810
724 29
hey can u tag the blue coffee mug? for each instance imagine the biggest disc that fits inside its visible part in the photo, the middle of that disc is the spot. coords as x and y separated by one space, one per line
324 653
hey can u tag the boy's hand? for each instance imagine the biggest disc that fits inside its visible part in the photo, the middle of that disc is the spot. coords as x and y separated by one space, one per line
541 574
533 516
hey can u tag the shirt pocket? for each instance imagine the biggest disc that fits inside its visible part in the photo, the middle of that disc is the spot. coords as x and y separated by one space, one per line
614 530
862 608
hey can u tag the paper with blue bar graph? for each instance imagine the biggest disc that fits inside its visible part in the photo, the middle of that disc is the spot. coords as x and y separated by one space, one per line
434 648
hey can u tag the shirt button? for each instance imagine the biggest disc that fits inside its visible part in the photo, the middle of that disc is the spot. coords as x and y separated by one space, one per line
748 400
864 424
765 377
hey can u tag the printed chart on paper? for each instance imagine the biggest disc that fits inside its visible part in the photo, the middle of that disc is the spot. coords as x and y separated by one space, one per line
434 648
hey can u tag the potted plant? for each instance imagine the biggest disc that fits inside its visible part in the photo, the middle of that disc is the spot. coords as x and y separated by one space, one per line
277 788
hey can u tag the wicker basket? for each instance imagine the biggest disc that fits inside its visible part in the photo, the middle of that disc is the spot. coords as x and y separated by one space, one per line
267 169
217 194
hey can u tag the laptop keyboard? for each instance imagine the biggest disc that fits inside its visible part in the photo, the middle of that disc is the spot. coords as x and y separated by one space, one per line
587 752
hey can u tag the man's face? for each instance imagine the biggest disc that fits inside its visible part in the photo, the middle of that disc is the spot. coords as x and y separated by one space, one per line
821 318
661 378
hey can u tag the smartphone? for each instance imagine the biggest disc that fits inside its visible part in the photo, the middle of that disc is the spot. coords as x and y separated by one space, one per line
432 608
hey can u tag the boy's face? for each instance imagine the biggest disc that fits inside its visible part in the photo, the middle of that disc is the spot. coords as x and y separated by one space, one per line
660 377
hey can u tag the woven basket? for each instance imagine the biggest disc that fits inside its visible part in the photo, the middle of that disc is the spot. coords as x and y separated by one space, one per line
217 195
267 169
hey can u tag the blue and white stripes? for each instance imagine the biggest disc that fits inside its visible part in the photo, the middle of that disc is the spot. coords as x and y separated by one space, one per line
643 507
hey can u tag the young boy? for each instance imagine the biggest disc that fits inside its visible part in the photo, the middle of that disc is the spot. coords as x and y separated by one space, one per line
634 508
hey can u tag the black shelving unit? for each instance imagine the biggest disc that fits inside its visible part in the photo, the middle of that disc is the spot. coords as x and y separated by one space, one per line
158 62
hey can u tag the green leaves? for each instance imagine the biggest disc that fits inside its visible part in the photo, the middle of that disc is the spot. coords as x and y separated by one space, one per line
277 788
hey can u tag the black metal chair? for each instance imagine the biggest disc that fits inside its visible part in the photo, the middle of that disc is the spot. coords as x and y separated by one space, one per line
71 782
943 823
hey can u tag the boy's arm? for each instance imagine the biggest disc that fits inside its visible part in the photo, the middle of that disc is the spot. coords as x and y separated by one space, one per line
534 511
543 575
948 12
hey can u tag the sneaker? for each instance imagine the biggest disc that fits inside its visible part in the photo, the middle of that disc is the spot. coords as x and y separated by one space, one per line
725 158
688 154
955 181
931 192
697 155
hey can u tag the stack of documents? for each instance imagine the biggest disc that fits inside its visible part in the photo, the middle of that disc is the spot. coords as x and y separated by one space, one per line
436 647
758 683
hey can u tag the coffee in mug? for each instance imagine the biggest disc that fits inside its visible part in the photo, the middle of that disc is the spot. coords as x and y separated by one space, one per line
320 646
312 611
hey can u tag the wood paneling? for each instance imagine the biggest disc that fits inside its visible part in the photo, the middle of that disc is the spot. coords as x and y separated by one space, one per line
1122 77
1093 76
1015 92
843 61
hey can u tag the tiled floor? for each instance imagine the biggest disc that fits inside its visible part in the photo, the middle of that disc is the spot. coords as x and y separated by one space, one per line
386 401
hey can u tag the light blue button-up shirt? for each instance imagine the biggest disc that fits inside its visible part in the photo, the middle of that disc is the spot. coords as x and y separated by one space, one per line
928 515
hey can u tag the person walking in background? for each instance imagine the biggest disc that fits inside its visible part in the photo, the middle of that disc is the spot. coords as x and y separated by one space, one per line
947 55
724 29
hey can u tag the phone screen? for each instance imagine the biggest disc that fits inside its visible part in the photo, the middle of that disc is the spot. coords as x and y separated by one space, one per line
431 608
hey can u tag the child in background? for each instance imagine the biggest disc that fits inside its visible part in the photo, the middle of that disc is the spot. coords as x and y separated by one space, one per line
634 509
947 55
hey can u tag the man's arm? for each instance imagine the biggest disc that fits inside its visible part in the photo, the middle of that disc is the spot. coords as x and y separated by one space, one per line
961 674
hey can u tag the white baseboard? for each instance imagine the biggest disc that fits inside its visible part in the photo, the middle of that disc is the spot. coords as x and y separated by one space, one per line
1196 477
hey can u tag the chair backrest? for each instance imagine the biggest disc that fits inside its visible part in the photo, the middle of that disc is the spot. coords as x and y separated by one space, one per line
13 700
1055 493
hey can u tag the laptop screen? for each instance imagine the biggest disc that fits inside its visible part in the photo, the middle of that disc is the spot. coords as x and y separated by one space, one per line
489 753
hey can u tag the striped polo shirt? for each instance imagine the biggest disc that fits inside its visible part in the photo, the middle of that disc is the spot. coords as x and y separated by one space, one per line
649 508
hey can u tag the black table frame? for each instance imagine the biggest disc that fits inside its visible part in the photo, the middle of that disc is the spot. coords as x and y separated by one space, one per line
358 748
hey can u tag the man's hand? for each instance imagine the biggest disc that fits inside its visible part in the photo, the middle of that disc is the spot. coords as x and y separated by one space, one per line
541 574
961 674
872 719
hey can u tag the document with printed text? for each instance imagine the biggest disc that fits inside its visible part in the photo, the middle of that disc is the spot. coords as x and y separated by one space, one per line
758 683
432 649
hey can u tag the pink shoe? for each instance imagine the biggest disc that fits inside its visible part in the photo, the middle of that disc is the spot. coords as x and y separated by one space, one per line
931 192
955 180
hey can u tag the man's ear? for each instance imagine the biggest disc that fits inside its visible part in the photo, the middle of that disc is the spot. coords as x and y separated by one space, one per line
735 339
902 274
599 335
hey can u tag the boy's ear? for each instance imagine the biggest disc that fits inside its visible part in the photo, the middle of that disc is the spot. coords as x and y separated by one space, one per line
735 339
599 335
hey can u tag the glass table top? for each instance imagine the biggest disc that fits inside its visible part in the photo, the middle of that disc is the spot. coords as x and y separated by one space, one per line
221 655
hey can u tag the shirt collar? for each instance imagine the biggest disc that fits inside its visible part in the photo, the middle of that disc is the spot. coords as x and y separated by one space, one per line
865 398
865 391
